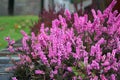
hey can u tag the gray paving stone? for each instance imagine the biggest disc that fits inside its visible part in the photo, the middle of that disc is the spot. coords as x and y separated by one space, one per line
6 76
17 45
3 67
6 60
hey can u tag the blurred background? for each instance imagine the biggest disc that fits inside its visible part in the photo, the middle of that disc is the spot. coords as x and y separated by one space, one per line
16 15
30 7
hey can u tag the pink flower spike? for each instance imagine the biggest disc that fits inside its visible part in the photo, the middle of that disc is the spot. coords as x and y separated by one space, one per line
94 13
7 38
113 77
14 78
103 77
67 14
39 72
23 33
69 69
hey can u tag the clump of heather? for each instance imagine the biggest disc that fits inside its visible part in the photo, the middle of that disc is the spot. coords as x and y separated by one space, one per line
84 51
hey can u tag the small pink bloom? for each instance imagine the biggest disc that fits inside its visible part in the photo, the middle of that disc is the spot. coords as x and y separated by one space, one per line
14 78
28 59
7 38
39 72
103 77
95 78
55 72
113 77
69 69
67 14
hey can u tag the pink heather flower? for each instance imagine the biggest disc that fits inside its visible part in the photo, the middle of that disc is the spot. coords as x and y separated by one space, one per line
11 49
93 50
118 43
101 41
94 13
55 23
79 77
76 55
59 61
7 38
114 67
24 33
95 78
76 21
98 56
86 60
12 42
55 72
14 78
113 77
53 61
34 55
106 63
74 78
103 77
42 28
62 21
109 9
67 14
65 74
24 42
106 69
69 69
28 59
103 58
68 46
51 75
43 58
95 65
33 38
39 72
32 66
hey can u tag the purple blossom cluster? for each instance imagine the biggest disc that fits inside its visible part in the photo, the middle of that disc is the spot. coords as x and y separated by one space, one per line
85 51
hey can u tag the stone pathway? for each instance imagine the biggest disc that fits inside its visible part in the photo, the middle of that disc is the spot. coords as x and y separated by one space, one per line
5 62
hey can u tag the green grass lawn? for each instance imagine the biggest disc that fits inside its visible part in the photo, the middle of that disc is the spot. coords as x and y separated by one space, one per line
11 26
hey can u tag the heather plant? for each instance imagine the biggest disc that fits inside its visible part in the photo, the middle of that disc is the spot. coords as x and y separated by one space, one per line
85 51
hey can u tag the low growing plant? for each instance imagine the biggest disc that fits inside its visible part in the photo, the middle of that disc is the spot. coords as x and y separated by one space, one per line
85 51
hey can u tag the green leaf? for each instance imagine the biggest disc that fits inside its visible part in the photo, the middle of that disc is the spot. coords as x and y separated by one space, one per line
83 76
75 71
